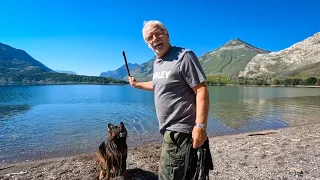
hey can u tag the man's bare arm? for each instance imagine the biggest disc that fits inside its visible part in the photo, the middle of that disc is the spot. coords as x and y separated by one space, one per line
144 85
140 85
202 102
202 109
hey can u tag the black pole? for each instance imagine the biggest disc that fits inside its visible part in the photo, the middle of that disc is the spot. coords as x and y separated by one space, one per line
125 60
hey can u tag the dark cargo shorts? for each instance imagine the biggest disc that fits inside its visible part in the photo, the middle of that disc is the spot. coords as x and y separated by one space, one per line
176 155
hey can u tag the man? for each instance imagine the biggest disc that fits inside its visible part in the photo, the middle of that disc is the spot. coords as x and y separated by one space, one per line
181 100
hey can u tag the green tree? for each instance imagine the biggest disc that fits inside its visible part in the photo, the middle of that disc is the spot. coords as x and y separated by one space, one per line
310 81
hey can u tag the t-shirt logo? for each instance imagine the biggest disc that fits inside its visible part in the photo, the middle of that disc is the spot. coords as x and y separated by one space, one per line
161 74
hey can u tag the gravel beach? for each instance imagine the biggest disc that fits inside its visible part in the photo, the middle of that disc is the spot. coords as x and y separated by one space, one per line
289 153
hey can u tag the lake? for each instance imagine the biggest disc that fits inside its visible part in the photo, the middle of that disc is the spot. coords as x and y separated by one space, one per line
62 120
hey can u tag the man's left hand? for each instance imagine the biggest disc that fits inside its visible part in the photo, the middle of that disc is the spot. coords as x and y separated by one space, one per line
199 136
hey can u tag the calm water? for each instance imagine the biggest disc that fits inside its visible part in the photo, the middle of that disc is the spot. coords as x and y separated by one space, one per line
61 120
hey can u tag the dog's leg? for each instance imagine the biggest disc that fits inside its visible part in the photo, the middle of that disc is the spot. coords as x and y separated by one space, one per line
101 175
102 169
124 166
108 171
102 164
123 171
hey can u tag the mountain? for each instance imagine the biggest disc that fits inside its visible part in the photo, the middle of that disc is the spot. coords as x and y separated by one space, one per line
16 61
66 72
302 58
119 73
230 58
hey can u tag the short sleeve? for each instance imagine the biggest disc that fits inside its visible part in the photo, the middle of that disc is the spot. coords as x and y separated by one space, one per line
191 70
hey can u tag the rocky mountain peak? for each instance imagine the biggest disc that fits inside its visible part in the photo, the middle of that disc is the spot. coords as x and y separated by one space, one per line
239 44
300 57
234 42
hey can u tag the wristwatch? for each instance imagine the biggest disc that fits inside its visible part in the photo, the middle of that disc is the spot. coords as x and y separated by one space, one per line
202 126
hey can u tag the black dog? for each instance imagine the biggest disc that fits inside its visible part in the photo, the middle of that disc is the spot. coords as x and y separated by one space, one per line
112 154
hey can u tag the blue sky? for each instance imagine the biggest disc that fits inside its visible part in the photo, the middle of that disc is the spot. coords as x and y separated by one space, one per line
88 36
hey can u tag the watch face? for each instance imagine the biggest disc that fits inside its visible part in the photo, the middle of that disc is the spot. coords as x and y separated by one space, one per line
203 126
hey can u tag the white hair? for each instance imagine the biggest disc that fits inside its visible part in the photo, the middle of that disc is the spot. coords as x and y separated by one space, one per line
148 23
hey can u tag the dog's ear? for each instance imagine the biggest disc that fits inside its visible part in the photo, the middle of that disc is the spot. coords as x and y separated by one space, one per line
110 126
121 124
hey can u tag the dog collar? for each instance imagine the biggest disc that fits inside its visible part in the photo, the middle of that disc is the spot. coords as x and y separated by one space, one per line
112 146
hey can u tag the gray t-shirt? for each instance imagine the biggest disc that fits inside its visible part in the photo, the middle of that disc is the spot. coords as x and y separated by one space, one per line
174 76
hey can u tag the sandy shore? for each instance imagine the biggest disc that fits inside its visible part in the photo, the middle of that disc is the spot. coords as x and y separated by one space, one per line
289 153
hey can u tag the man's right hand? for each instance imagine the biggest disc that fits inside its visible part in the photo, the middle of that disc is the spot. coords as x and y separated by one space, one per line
140 85
132 81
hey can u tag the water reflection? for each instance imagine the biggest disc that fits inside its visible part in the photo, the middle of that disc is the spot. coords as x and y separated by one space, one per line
9 111
233 115
286 111
299 110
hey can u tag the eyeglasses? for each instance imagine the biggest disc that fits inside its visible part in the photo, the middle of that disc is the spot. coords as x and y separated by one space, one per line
158 33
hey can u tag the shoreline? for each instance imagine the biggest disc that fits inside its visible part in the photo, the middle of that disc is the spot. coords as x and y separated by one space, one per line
287 153
90 83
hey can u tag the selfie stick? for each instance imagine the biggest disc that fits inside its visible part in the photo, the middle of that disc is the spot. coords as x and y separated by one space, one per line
125 60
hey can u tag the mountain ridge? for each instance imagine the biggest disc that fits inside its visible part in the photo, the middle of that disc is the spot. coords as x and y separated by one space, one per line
119 73
66 72
18 67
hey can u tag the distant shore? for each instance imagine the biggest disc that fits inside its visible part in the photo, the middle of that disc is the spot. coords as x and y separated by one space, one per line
288 153
86 83
296 86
